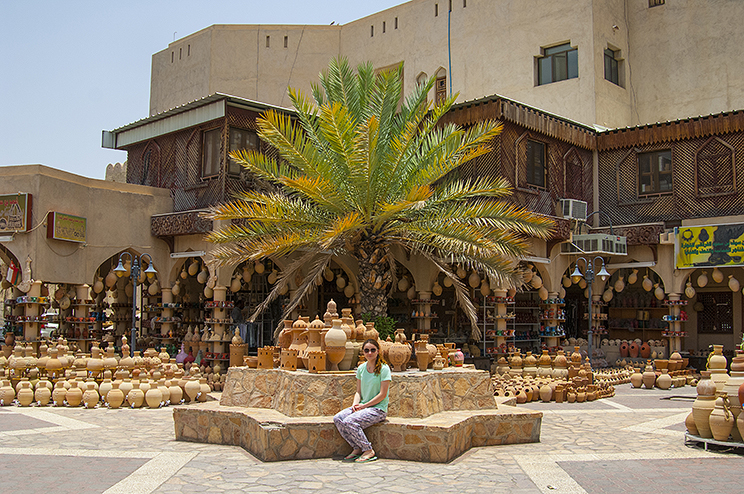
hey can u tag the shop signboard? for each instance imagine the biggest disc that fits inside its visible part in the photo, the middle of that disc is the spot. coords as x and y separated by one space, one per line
15 212
61 226
709 245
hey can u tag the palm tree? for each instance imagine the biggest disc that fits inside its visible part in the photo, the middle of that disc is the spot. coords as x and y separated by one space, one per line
364 174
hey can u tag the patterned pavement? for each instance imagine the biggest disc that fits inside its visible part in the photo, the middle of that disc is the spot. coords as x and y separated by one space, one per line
632 442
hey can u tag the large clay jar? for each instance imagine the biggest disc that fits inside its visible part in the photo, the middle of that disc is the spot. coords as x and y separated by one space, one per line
154 397
398 356
192 388
176 393
385 347
204 390
502 366
546 393
649 377
624 349
135 397
704 404
43 392
530 365
717 366
95 362
731 389
59 394
690 424
721 419
164 391
544 365
90 396
335 341
560 366
422 355
664 381
74 394
25 394
115 397
645 350
299 339
371 333
104 389
636 379
633 349
515 365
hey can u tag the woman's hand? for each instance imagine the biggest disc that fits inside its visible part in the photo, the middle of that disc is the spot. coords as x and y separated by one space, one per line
357 407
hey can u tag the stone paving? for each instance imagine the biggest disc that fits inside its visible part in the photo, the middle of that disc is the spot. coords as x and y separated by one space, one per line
632 442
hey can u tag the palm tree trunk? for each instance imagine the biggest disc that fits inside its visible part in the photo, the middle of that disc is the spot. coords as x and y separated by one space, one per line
372 286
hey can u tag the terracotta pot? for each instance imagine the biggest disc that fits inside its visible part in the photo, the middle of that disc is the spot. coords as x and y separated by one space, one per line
636 379
74 395
645 350
721 420
25 394
91 396
701 409
633 350
399 354
422 355
154 397
649 377
176 393
204 390
664 381
690 424
192 388
546 393
59 394
624 350
115 397
43 394
135 397
104 389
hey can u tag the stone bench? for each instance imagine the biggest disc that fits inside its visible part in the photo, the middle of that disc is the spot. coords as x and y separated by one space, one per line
270 435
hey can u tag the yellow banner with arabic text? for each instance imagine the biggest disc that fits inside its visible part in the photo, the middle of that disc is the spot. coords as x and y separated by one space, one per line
710 245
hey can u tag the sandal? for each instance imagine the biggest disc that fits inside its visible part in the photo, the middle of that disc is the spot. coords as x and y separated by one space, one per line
365 459
351 457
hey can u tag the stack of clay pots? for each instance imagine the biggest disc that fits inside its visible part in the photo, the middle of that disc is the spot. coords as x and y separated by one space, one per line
528 388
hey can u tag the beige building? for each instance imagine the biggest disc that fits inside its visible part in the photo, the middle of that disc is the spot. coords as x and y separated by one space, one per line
613 63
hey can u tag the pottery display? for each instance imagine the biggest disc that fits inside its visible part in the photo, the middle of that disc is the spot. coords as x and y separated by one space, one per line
721 419
90 396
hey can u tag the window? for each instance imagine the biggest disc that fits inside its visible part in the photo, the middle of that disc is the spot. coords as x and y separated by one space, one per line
268 41
180 53
240 139
610 66
655 3
396 23
383 26
286 41
188 51
211 153
440 89
436 9
371 31
536 163
655 172
717 316
557 64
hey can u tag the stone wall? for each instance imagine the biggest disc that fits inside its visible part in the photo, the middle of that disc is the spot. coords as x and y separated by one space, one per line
412 393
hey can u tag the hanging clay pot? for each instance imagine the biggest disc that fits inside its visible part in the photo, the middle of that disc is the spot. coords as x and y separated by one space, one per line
340 282
436 289
474 280
203 275
98 285
633 277
176 289
403 284
582 284
128 290
566 281
154 288
647 283
689 291
561 292
273 276
447 282
607 295
619 284
235 284
702 280
543 293
349 291
733 283
537 281
208 292
717 275
659 292
411 294
528 274
193 268
110 280
260 268
485 288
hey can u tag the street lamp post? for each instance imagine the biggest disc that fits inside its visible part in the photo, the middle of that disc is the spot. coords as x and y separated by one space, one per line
576 277
134 276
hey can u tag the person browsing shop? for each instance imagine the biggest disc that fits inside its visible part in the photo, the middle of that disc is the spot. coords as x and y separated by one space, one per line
370 404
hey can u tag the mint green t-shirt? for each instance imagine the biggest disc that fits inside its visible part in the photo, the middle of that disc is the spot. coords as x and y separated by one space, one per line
371 384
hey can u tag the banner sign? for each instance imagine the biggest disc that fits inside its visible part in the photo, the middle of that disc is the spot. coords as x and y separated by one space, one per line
711 245
67 227
15 212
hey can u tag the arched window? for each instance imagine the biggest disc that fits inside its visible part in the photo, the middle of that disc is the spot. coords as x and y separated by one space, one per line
440 86
421 80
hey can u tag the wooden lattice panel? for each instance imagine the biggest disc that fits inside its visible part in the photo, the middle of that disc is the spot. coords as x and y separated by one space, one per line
618 183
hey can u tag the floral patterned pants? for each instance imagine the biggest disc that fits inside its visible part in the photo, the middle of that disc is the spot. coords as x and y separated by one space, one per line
351 425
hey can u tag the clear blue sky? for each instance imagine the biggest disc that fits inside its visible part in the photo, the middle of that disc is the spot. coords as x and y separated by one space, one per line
69 70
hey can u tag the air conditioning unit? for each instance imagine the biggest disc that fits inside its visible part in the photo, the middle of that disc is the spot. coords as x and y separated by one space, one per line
573 209
596 243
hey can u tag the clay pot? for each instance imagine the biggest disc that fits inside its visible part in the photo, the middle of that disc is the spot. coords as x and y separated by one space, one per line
633 349
649 377
43 394
664 381
25 394
624 350
204 390
136 397
154 397
546 393
192 389
59 394
636 379
645 350
422 355
701 409
90 396
398 356
115 397
104 389
690 424
74 395
721 419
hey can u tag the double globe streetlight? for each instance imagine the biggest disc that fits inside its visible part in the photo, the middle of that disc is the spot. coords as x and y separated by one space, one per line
576 276
120 271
